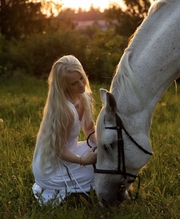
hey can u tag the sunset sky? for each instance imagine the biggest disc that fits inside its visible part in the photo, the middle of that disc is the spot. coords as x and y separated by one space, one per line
86 4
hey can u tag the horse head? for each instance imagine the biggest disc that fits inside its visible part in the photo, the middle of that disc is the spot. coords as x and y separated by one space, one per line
118 162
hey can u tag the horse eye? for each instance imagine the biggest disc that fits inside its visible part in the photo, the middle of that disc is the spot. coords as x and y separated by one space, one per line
105 147
112 145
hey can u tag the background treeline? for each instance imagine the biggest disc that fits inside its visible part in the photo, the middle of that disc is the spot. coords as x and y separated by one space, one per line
34 34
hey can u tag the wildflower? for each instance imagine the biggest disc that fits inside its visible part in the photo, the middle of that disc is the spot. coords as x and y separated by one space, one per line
13 177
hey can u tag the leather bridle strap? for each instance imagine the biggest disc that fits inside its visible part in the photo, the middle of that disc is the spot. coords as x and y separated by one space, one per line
121 155
120 125
120 146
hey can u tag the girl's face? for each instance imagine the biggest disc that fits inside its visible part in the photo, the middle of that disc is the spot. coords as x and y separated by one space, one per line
75 83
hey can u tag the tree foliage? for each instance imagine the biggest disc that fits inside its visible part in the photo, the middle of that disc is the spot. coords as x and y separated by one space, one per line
126 21
137 8
103 54
35 55
20 18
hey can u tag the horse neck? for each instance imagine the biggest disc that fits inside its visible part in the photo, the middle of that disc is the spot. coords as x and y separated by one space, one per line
151 62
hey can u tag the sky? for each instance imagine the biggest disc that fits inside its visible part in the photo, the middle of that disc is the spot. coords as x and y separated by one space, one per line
86 4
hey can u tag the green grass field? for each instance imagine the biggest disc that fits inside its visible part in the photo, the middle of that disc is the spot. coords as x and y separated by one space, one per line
22 100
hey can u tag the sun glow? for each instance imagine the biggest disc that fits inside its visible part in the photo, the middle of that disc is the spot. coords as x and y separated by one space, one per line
86 4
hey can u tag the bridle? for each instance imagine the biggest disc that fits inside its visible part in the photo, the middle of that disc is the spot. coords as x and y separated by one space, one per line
121 169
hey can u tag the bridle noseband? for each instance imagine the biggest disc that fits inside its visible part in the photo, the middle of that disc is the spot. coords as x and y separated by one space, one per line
121 170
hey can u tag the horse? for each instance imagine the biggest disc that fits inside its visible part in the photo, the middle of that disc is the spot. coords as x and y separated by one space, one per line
147 68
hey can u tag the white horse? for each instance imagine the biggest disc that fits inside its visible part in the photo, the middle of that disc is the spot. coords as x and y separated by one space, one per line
147 68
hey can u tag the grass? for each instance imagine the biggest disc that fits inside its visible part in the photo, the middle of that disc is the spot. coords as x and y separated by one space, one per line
22 100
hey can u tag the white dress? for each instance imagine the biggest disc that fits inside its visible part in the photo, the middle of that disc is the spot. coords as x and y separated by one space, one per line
69 177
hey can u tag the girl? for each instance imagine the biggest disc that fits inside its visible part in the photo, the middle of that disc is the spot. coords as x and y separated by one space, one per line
62 165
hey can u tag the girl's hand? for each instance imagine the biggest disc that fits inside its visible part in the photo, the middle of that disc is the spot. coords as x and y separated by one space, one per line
89 158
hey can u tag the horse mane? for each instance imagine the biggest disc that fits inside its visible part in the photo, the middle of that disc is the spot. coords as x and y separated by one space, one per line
124 77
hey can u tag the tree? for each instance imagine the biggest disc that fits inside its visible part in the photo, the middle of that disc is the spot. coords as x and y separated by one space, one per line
137 8
19 18
91 14
103 54
126 21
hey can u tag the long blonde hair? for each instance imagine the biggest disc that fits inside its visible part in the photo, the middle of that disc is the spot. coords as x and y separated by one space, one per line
58 116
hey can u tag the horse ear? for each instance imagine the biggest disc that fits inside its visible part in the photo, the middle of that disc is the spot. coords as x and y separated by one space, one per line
103 93
108 100
111 103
